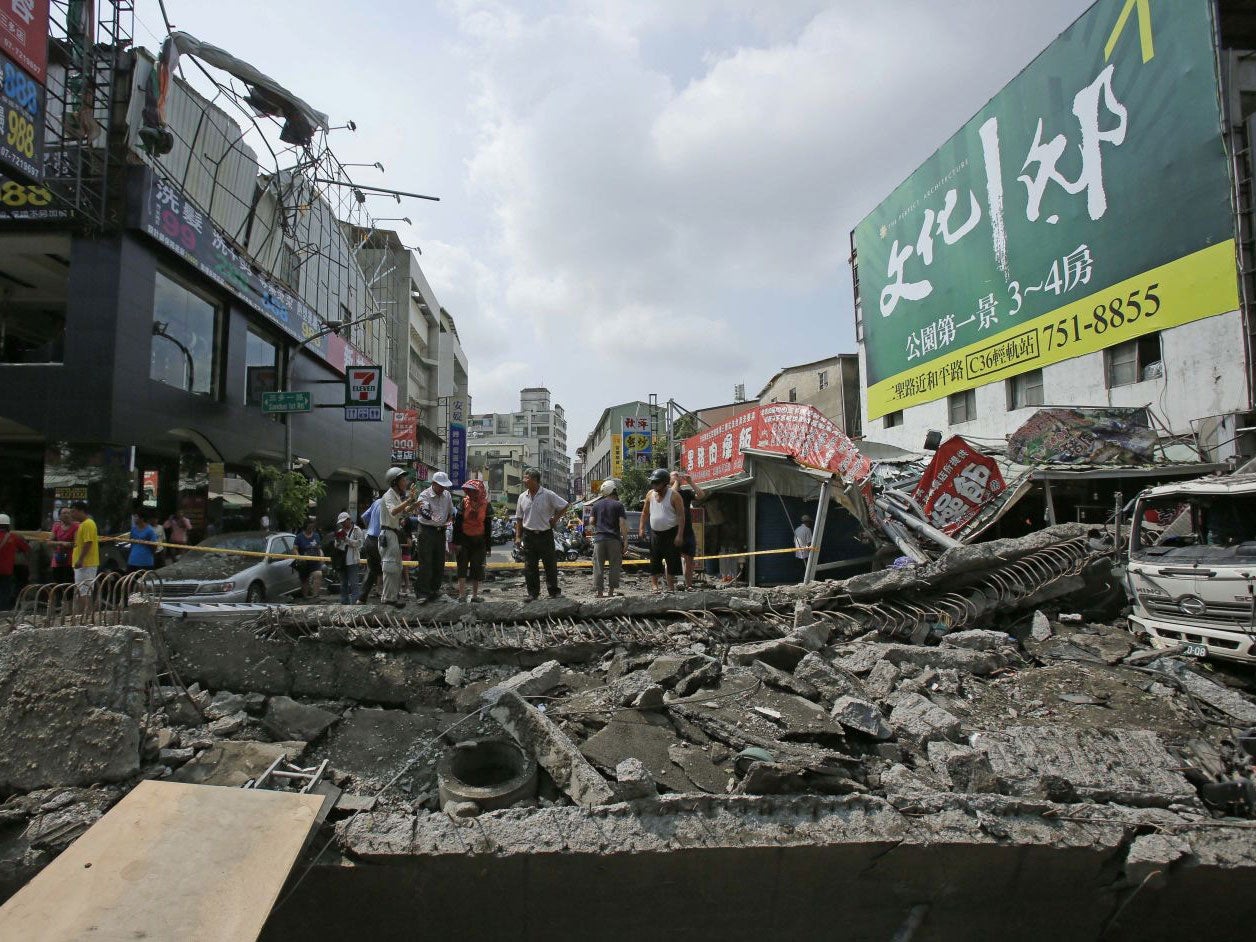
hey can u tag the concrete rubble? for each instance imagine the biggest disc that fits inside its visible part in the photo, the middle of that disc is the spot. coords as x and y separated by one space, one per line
720 721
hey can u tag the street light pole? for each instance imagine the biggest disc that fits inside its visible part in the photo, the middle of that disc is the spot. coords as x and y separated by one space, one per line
333 327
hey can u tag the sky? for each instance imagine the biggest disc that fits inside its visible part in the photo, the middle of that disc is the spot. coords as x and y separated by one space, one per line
636 196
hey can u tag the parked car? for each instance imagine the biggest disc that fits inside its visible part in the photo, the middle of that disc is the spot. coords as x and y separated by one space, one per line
219 577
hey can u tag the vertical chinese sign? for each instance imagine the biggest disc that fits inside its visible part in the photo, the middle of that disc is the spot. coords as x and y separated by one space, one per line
617 456
458 440
1087 204
637 441
405 436
24 61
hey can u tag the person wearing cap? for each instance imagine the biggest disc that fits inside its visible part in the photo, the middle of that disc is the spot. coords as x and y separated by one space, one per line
371 519
470 538
435 511
538 510
398 501
609 520
347 546
802 543
665 511
85 557
10 545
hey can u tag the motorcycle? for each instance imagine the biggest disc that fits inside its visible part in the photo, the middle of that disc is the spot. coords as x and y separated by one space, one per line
562 549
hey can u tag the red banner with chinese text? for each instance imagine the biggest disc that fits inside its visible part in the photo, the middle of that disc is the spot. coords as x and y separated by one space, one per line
958 482
405 435
24 35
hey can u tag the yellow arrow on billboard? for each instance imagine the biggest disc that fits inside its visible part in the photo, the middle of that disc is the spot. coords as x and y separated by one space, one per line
1144 29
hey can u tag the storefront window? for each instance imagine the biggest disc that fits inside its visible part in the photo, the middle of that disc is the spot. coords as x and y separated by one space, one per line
185 338
261 368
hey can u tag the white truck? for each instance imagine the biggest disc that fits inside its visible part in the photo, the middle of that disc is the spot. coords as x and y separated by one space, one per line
1191 577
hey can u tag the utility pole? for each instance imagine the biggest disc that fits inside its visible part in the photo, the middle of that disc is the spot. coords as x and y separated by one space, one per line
333 327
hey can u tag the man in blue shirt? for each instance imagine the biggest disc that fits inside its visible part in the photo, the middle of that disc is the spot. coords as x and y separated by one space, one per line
141 555
371 520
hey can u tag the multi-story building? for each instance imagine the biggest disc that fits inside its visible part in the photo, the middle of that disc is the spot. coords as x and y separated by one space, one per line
831 385
158 281
501 462
538 430
604 453
454 398
993 282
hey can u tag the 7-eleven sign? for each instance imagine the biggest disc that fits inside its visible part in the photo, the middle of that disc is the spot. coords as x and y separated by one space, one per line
364 386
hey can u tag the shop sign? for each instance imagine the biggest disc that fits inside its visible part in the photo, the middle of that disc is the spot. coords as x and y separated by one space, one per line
457 453
364 386
958 482
364 414
405 435
21 127
24 35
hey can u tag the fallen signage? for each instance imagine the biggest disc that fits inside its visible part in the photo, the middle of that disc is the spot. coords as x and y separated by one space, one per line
958 482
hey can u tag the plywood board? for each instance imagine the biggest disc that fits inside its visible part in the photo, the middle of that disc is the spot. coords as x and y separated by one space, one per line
169 861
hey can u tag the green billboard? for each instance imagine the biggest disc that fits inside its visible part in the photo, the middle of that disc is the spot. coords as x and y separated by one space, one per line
1088 203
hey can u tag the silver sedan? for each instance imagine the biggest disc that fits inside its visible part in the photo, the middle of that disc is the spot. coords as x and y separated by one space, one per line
224 577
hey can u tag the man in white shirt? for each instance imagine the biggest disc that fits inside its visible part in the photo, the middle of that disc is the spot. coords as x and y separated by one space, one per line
539 509
435 510
802 543
398 502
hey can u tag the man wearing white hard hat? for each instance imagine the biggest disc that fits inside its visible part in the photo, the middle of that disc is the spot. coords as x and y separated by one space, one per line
399 500
436 509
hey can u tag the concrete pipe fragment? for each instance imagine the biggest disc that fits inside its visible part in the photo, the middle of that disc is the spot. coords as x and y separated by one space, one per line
492 773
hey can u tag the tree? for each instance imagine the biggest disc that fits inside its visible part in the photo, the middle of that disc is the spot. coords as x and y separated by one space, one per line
633 485
684 427
289 493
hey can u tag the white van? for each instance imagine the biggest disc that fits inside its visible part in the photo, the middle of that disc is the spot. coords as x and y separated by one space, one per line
1192 566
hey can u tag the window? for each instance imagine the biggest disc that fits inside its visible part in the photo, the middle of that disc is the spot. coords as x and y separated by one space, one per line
1134 361
1025 390
261 368
824 379
962 407
185 339
893 419
793 395
33 291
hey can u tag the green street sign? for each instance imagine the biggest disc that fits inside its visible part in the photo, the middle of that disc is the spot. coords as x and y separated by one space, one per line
273 402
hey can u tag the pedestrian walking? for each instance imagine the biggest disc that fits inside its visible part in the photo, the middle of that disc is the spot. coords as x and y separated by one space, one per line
689 492
397 502
10 545
177 529
371 520
310 543
802 543
62 545
347 546
538 510
141 558
435 510
470 538
664 509
609 521
85 557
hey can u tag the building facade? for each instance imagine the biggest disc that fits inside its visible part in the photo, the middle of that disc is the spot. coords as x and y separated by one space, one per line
537 432
603 452
141 334
831 385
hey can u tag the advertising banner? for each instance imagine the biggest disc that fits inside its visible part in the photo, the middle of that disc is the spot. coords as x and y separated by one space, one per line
801 432
405 435
21 124
958 482
24 35
457 453
617 456
1087 204
637 441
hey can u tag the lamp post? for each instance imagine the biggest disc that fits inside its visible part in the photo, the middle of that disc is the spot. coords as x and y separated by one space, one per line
333 327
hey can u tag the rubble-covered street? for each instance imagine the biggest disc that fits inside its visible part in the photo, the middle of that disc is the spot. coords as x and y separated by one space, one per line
1012 739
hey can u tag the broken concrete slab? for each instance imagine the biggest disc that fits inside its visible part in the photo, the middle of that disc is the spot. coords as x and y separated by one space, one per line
224 703
1040 629
643 737
861 716
705 675
781 680
229 725
698 763
1131 767
633 780
668 670
784 653
978 639
72 703
917 720
881 680
963 768
1221 698
541 679
1152 855
372 744
285 718
552 749
232 763
828 680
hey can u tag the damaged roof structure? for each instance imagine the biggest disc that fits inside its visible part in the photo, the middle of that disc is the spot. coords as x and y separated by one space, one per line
959 749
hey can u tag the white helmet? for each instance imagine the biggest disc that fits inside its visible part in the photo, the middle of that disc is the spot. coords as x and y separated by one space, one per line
609 487
5 521
392 474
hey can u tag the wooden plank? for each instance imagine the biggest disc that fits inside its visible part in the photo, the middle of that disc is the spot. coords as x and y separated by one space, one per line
169 861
